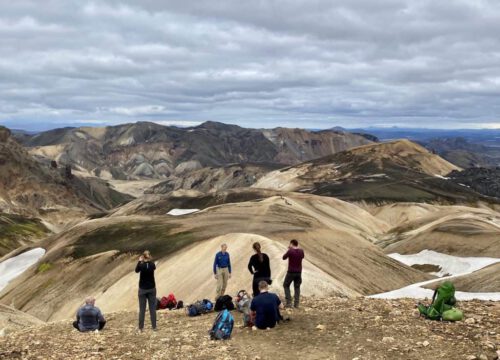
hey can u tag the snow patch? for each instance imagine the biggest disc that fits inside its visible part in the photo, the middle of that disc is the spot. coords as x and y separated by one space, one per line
441 177
15 266
454 265
180 212
449 264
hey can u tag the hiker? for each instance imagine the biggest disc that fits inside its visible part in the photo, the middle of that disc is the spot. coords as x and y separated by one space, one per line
294 274
222 270
89 317
259 267
147 288
265 308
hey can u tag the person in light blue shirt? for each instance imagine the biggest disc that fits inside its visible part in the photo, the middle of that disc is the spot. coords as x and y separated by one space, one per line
222 270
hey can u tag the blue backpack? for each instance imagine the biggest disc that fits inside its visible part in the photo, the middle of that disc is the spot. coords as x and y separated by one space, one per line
223 326
200 307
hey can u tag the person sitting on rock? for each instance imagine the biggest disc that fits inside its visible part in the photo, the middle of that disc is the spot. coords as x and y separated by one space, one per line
265 308
89 317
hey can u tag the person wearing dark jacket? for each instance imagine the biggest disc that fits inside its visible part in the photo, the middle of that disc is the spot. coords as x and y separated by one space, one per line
294 274
147 288
266 308
89 317
259 267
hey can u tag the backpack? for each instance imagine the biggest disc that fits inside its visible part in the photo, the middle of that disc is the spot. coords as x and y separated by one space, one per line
168 302
180 305
453 315
199 307
224 302
223 326
442 300
158 301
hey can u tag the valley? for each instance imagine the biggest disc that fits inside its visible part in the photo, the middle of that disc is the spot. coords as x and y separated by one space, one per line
360 210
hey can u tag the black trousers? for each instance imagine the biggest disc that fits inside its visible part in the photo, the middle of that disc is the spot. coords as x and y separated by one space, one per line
101 325
296 278
255 284
148 296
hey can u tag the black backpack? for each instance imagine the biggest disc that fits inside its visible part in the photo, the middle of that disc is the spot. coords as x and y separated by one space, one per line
224 302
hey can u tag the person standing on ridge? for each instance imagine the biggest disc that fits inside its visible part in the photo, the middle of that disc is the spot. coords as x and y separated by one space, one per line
259 267
147 288
222 270
294 274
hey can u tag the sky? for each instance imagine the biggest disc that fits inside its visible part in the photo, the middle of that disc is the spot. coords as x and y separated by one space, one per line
312 63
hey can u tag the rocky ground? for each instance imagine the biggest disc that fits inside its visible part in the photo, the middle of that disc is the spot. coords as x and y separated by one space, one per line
332 328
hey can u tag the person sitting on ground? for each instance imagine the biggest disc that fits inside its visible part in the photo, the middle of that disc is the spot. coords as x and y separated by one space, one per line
89 317
265 308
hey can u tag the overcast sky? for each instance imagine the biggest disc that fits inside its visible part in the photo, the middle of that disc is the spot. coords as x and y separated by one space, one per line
310 63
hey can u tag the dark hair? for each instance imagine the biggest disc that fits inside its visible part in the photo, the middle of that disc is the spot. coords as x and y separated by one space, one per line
256 247
294 242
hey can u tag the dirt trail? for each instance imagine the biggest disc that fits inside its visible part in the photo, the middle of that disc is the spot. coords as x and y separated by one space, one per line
352 329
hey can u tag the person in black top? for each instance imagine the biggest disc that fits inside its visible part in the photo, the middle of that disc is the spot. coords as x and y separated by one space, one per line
259 267
147 288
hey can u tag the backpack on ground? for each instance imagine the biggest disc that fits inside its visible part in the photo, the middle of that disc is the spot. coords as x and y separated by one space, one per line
168 302
180 304
243 301
223 326
453 315
158 301
224 302
442 301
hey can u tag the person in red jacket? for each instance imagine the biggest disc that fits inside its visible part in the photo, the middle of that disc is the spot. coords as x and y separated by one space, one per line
294 274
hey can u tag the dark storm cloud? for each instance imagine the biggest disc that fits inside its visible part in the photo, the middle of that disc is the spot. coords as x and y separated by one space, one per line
257 63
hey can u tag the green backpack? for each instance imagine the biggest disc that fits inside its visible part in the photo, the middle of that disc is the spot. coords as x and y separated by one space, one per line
453 315
442 301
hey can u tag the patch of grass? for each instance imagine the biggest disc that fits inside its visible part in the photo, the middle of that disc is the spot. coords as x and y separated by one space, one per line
15 228
44 267
161 239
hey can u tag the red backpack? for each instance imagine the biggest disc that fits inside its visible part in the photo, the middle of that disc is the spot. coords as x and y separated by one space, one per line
168 302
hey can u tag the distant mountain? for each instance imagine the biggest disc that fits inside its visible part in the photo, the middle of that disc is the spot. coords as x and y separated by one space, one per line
397 171
463 153
485 181
32 189
149 150
211 179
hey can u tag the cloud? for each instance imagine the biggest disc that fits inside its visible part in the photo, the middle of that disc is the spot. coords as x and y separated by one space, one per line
255 63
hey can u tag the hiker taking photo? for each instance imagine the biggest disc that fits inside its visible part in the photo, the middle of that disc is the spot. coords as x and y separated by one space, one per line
222 270
294 274
259 267
147 288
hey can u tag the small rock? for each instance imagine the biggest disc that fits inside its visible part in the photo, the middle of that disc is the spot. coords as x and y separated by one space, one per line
425 343
471 357
320 327
387 339
470 321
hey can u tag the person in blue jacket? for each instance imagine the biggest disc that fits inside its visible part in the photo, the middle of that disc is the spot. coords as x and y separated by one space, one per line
222 270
